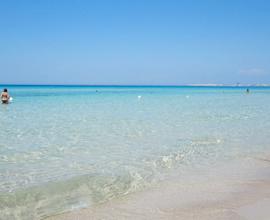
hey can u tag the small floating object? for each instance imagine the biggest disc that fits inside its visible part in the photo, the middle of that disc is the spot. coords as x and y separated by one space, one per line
139 97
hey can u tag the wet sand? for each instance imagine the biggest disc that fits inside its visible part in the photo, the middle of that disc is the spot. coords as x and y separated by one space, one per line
238 190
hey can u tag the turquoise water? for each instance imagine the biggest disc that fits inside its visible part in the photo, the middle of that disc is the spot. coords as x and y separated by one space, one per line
68 147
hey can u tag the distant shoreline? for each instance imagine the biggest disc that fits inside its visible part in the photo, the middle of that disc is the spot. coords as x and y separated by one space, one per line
117 85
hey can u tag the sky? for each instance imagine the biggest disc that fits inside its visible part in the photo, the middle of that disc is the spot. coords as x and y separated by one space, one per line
139 42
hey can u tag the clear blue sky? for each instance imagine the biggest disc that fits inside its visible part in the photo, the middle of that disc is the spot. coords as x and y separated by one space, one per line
134 42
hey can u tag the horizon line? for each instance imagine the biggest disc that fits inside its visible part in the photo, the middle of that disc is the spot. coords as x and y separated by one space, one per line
148 85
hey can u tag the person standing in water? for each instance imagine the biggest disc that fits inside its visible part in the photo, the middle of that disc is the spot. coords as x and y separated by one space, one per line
5 96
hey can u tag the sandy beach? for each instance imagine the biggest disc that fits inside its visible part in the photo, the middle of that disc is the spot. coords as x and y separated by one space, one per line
238 191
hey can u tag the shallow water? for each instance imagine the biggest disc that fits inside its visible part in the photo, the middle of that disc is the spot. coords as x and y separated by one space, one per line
63 148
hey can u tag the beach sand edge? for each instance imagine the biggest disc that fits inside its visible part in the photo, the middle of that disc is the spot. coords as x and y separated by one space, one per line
240 192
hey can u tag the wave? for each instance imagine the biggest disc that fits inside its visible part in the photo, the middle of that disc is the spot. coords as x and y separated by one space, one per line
39 202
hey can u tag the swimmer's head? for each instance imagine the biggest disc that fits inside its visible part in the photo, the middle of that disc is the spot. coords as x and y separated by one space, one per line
5 90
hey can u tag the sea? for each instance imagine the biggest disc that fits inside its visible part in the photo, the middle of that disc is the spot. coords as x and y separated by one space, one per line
64 148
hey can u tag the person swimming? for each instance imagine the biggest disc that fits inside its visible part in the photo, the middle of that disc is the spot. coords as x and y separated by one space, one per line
5 96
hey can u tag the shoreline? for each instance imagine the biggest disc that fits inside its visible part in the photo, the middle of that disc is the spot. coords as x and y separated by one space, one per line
238 191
